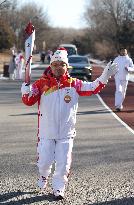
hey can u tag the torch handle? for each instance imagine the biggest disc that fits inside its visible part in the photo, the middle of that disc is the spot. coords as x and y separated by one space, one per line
28 71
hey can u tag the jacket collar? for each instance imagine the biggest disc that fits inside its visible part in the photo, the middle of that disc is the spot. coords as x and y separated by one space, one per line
63 79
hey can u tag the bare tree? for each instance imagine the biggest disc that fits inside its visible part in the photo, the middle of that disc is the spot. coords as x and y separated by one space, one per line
106 18
4 4
18 17
36 15
56 36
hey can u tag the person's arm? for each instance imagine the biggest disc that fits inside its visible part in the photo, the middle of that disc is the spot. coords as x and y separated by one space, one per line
89 88
130 67
30 93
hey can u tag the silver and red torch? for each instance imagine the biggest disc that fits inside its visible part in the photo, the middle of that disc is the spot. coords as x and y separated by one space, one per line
29 45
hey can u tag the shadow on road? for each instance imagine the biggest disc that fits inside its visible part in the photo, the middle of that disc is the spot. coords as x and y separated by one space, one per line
125 111
32 199
49 197
93 112
79 113
11 195
124 201
31 113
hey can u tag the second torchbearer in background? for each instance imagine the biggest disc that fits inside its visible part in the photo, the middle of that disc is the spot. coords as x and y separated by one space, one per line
29 45
19 61
125 65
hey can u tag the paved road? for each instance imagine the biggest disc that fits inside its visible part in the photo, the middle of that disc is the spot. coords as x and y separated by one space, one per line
102 169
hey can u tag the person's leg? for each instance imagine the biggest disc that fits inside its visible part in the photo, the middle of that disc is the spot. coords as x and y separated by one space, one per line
118 94
63 158
17 73
20 71
45 150
11 76
124 89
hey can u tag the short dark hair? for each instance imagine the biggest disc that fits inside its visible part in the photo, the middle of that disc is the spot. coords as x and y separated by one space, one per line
122 48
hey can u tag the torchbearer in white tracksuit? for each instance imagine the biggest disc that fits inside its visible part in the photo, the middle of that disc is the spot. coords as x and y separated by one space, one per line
125 65
19 60
57 96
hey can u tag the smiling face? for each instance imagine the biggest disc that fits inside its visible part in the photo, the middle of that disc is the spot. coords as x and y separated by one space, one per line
59 68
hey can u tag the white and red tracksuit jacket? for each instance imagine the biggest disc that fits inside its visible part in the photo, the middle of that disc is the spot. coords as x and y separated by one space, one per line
58 103
122 62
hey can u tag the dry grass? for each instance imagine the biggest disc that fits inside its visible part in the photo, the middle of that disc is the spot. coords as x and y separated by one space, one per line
4 58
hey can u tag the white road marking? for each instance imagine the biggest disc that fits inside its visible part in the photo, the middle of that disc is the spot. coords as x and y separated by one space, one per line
123 123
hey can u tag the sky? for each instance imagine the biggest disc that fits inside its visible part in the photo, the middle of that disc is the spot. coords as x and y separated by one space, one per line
64 13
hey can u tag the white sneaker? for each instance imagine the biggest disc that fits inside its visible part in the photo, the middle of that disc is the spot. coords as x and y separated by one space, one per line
42 182
59 195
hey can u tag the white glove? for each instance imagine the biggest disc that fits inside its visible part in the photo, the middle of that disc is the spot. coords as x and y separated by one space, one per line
25 89
109 70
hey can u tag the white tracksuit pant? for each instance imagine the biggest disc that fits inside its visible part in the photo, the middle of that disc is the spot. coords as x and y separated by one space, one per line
60 152
18 72
121 87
